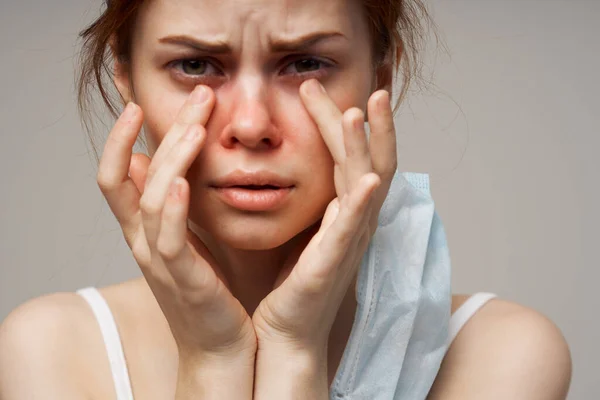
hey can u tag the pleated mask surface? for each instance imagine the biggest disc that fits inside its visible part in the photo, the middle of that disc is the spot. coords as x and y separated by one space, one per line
400 331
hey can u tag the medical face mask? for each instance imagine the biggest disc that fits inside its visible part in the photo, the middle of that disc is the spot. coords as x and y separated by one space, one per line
400 331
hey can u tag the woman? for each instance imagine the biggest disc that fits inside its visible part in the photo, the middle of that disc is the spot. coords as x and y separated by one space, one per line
252 214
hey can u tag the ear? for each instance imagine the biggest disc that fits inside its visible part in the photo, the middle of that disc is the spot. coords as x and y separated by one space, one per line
121 75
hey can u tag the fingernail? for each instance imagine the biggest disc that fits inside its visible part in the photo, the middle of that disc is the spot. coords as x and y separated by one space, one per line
314 88
129 111
200 95
191 133
384 99
175 190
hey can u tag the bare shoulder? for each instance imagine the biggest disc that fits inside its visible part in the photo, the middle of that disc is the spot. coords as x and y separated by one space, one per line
505 351
41 344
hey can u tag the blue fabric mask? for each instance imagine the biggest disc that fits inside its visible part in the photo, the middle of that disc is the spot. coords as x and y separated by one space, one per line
400 331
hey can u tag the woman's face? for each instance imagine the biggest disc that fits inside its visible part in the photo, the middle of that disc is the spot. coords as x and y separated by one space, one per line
259 122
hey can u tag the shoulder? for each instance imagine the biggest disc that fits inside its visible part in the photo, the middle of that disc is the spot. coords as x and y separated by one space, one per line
505 351
41 341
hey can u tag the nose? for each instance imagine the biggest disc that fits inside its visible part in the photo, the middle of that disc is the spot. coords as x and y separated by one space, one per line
251 124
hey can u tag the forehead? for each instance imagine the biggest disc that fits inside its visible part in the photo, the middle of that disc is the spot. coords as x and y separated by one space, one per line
233 19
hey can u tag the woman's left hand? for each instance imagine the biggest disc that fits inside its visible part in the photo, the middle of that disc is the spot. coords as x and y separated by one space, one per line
299 313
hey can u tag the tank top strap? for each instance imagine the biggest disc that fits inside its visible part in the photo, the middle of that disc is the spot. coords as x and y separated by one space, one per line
112 341
462 315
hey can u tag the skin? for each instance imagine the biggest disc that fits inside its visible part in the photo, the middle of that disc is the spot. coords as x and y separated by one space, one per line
255 117
256 101
290 268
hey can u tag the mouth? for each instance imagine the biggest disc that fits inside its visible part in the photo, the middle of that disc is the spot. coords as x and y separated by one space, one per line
253 180
255 187
254 197
253 191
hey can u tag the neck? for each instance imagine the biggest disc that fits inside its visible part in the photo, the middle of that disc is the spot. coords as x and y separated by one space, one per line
251 275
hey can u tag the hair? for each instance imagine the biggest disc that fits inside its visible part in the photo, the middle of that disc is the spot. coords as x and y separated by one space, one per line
397 28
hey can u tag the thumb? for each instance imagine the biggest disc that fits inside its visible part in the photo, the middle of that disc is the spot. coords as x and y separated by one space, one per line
138 169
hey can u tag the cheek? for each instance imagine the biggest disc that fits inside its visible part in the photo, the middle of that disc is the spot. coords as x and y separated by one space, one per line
160 111
312 156
303 136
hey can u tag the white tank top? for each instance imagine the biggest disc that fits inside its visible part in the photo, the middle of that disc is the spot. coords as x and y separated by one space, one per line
116 357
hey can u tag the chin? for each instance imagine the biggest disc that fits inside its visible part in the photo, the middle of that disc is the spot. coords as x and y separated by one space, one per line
257 231
254 232
252 241
257 234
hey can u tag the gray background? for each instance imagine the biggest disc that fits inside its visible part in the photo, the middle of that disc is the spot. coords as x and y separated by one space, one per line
509 138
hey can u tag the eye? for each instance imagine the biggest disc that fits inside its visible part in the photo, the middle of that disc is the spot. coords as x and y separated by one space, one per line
306 66
193 67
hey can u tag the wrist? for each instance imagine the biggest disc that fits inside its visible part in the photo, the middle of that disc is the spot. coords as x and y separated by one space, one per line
210 376
282 373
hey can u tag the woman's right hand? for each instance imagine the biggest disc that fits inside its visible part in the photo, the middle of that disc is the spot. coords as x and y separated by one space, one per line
206 320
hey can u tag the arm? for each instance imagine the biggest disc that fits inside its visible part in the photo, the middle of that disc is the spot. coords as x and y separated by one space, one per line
216 378
37 358
40 358
506 351
287 374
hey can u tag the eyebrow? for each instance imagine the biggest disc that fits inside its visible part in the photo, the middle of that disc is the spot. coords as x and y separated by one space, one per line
278 45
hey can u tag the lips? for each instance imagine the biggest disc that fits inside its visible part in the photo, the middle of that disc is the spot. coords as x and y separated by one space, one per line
253 191
254 187
253 180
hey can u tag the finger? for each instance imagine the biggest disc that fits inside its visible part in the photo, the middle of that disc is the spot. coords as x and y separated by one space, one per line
176 163
326 115
330 215
152 268
382 145
117 187
196 110
306 238
341 237
172 243
138 168
358 158
339 180
349 218
382 140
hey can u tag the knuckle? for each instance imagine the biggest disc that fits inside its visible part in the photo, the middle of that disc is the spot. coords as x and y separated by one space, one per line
105 182
167 249
353 113
150 173
192 295
201 291
317 280
141 253
189 114
149 206
129 235
344 236
201 130
388 172
392 168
